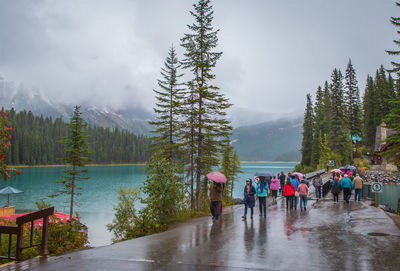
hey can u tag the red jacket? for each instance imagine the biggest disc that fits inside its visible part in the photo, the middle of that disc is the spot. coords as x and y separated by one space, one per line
288 190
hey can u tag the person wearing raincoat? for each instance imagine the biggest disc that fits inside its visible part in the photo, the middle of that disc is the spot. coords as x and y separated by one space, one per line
347 185
216 199
261 192
288 192
249 200
274 187
296 184
336 189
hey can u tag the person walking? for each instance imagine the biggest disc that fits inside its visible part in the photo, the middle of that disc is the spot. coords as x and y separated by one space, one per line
303 191
261 192
346 184
282 179
215 199
358 186
296 184
249 200
317 183
288 192
335 189
274 188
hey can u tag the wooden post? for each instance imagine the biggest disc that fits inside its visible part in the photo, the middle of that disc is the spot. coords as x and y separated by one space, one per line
376 200
20 244
43 248
398 206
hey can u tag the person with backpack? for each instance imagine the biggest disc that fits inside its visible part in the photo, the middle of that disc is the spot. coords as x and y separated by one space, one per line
282 179
347 185
274 187
358 186
335 189
288 192
261 192
249 200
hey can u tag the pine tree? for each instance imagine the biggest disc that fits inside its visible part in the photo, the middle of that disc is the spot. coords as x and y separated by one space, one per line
306 145
392 120
76 149
208 106
353 101
317 127
369 112
326 110
339 134
169 104
230 167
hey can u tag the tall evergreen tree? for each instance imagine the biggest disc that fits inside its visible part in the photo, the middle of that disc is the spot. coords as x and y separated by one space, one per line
230 167
169 105
326 110
369 113
392 120
353 101
317 127
207 104
76 149
306 145
339 134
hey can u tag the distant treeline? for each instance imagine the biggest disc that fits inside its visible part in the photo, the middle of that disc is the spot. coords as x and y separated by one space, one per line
35 142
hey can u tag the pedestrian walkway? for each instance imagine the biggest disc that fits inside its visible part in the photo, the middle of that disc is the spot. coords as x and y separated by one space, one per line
328 236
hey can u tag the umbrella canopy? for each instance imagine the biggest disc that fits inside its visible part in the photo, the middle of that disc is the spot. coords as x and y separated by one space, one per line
336 170
10 190
352 168
217 177
298 174
263 174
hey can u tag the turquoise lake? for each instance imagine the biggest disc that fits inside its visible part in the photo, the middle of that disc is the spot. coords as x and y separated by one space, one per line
99 193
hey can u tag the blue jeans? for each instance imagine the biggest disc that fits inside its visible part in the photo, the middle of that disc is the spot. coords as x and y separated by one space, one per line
357 194
215 207
318 192
303 201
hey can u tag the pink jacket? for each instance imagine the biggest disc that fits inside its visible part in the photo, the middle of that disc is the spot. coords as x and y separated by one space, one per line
274 184
303 189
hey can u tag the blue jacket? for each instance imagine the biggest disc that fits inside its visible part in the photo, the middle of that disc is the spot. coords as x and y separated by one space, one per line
346 183
249 199
265 189
296 183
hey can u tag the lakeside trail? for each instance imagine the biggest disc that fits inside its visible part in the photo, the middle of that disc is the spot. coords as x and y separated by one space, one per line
327 236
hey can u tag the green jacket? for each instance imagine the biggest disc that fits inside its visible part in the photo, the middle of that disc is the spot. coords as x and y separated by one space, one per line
265 189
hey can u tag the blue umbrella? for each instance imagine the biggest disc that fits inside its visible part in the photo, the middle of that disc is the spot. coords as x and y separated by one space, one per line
263 174
10 190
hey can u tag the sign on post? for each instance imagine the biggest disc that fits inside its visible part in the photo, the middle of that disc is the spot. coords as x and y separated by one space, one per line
376 187
331 163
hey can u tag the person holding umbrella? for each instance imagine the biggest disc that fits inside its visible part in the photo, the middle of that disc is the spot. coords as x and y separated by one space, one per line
249 200
216 189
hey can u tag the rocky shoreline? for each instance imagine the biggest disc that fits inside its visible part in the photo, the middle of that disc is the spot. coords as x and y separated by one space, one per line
382 176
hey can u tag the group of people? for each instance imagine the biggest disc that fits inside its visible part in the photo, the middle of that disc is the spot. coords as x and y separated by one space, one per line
346 183
291 187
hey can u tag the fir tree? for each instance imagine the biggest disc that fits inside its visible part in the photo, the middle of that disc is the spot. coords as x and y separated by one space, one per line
168 108
230 167
369 112
76 149
317 127
339 134
306 145
353 101
207 105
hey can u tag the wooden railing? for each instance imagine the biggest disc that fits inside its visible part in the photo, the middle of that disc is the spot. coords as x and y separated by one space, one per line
19 231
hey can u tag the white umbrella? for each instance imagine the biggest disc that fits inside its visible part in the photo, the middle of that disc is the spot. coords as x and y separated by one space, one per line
10 190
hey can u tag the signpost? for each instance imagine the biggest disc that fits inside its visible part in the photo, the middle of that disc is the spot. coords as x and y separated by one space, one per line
376 187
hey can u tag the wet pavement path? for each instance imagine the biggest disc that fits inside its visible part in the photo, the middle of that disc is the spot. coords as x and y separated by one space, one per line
327 236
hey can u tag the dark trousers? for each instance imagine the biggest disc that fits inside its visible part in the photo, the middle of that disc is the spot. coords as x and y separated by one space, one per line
318 192
336 197
274 193
262 203
245 210
289 201
347 194
215 207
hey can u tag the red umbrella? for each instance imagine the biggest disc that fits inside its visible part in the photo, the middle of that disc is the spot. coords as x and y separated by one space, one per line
217 177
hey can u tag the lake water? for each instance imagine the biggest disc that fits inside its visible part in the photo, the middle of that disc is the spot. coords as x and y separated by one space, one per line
99 193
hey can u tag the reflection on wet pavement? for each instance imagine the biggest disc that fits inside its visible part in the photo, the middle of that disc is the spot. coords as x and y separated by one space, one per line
327 236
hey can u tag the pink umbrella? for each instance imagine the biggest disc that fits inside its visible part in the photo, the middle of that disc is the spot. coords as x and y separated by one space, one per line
217 177
298 174
336 170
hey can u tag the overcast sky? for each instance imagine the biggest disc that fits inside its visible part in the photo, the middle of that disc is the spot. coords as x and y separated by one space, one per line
110 52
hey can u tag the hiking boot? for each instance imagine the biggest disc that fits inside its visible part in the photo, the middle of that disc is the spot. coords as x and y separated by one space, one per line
260 214
244 217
